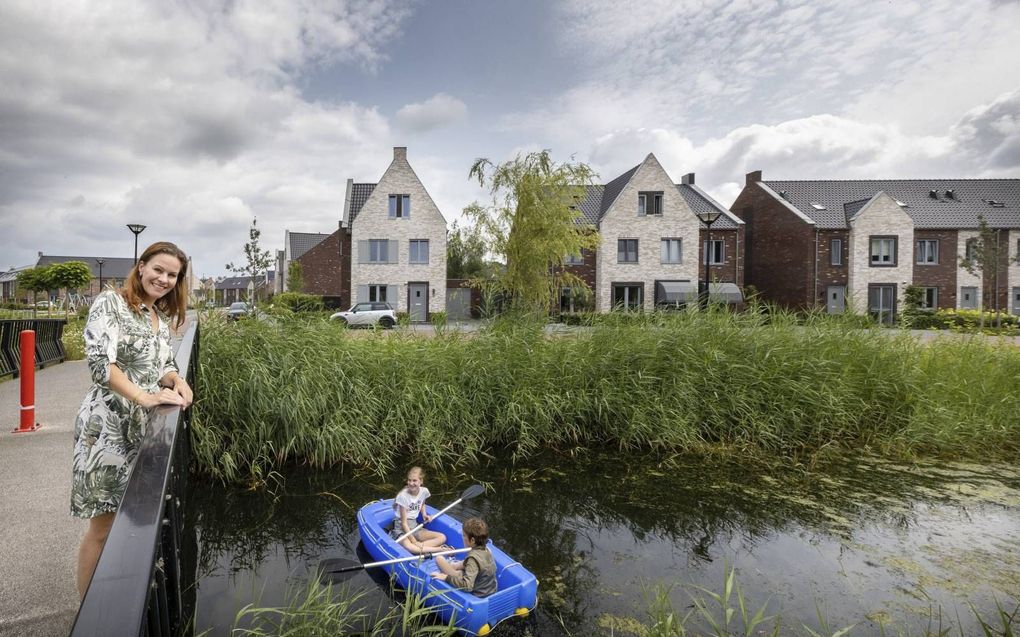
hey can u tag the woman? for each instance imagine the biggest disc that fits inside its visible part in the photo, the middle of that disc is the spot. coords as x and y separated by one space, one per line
127 347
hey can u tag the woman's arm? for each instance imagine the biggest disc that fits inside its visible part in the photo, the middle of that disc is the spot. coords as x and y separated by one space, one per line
173 380
121 384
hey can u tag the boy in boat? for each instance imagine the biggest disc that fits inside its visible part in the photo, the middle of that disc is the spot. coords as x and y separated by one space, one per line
477 573
406 506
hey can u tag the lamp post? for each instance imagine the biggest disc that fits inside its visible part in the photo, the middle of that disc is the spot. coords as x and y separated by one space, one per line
100 262
708 217
137 229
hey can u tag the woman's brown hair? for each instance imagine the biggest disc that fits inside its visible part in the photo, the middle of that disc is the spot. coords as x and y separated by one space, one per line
175 302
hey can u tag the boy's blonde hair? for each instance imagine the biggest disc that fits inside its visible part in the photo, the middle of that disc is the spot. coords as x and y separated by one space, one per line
477 530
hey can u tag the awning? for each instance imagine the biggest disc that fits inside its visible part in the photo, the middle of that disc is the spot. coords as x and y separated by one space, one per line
675 291
724 293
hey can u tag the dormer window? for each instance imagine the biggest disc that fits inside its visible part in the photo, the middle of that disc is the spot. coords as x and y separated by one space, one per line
400 206
817 206
649 203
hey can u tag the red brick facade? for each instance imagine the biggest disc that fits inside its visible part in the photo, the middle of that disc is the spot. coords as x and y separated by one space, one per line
941 275
732 268
322 268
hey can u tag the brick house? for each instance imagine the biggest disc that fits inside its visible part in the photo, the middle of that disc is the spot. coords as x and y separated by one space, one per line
648 226
322 265
396 250
862 242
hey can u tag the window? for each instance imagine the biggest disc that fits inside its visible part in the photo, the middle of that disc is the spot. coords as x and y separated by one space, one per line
649 203
716 251
883 251
970 249
627 296
376 293
928 251
968 298
1018 250
378 251
418 251
882 302
626 251
670 251
835 252
573 259
400 206
930 299
574 300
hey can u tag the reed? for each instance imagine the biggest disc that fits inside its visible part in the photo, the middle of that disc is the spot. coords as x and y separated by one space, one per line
763 383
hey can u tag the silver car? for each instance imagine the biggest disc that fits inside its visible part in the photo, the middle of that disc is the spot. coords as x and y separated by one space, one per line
373 313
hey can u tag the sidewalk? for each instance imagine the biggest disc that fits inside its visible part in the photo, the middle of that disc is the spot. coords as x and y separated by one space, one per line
38 536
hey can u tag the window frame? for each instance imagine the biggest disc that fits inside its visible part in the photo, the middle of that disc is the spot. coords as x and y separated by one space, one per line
932 304
378 251
624 252
656 197
878 287
574 259
969 248
417 243
712 260
882 238
374 289
924 256
400 206
665 243
836 254
628 286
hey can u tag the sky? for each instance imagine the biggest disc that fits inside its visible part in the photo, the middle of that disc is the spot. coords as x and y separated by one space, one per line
194 117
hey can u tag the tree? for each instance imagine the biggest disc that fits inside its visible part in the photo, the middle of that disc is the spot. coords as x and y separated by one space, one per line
295 277
258 261
35 280
71 275
532 224
465 253
981 258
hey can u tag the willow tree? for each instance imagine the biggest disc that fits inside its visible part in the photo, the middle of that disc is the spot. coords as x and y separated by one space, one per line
534 224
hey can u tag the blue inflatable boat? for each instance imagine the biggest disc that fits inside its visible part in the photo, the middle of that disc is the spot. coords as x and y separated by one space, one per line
516 595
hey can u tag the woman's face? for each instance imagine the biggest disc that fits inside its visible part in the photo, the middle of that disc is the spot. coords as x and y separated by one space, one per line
159 276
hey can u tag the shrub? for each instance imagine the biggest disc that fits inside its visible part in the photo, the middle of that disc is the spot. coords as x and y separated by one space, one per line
299 302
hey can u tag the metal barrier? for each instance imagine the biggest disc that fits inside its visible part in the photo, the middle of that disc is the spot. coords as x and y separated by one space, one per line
140 586
49 348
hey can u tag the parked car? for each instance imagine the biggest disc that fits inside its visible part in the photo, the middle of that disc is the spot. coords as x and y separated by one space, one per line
238 310
374 313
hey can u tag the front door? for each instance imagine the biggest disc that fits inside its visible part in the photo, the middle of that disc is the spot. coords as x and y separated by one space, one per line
418 302
882 302
836 295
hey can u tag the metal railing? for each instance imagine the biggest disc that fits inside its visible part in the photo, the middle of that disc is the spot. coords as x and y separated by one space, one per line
141 585
49 348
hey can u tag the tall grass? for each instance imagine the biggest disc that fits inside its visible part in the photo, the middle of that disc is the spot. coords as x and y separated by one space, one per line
771 384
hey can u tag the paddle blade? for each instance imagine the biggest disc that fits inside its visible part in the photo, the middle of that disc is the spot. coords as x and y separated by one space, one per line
472 491
337 570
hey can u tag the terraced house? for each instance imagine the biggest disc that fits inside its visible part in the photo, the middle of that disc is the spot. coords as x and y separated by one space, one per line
860 243
397 242
653 243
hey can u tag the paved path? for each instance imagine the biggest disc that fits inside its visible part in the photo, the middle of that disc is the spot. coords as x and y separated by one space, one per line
38 537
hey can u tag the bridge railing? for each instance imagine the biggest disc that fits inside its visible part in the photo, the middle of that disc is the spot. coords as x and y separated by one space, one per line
141 585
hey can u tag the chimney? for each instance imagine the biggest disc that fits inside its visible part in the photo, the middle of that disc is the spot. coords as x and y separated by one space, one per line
752 177
400 152
687 179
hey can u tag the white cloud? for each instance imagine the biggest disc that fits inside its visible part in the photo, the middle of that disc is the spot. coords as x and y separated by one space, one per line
437 111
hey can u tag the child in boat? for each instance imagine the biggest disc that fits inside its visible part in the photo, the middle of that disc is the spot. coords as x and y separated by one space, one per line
477 573
406 506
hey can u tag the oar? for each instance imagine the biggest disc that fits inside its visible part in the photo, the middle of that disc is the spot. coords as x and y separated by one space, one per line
470 492
328 567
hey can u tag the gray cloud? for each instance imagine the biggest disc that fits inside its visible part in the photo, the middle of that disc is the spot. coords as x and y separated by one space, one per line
437 111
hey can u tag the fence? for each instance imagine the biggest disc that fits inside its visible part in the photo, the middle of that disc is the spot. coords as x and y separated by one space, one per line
49 348
143 584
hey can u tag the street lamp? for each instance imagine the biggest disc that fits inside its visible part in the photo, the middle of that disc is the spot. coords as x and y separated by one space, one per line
137 229
100 262
708 217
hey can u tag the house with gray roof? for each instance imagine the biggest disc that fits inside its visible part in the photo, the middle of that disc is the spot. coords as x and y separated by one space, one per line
397 242
295 246
860 243
653 243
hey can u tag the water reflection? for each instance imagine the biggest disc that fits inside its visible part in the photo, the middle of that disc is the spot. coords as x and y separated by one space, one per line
857 538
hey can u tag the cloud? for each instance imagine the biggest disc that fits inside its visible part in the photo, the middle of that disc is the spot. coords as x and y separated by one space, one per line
437 111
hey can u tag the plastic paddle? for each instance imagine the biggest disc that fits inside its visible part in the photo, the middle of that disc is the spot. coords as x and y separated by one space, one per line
470 492
336 568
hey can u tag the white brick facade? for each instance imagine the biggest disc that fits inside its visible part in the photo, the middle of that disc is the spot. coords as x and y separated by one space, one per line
1013 272
425 222
881 216
622 221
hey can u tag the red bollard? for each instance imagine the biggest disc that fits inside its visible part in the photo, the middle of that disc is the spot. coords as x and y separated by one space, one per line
27 383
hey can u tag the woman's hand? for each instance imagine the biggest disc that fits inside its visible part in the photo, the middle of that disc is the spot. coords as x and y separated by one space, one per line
164 396
183 390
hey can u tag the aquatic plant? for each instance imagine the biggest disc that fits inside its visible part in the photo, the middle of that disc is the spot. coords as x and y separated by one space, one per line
762 383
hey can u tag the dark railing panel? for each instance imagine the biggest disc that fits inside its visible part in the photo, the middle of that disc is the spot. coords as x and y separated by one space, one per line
138 583
49 348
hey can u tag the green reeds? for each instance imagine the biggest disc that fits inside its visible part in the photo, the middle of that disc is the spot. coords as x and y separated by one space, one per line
769 384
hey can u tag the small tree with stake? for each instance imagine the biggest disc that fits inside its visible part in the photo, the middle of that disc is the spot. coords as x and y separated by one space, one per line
258 261
35 280
981 258
71 275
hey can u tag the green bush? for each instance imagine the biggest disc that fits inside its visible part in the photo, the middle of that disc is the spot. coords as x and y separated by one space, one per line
438 319
299 302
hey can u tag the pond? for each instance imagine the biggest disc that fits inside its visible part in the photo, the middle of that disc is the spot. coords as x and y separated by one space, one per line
849 541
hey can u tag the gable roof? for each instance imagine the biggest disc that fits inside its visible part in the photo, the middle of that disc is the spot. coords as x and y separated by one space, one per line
113 267
301 242
359 195
968 199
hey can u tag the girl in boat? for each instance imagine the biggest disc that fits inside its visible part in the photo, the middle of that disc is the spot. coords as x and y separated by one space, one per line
477 573
406 506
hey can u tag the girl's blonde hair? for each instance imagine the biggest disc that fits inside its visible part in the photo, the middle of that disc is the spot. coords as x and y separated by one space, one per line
418 470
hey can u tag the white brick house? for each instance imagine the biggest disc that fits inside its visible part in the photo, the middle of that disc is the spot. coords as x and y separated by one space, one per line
881 241
398 241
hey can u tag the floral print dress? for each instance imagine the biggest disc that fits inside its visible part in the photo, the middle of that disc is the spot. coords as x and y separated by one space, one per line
109 427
